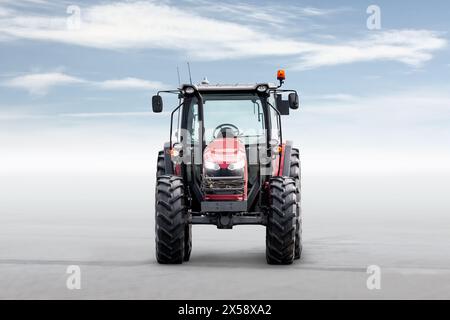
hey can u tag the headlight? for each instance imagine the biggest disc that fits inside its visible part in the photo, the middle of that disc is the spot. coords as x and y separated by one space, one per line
276 150
175 153
237 165
189 90
261 88
176 150
211 165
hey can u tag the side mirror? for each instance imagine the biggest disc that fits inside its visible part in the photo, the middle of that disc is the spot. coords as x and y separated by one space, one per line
282 105
293 100
157 103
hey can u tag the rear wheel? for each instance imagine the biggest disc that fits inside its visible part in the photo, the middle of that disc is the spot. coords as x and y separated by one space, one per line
295 173
280 230
171 220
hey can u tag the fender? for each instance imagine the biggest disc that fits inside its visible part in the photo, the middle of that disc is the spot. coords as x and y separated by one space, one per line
167 159
286 159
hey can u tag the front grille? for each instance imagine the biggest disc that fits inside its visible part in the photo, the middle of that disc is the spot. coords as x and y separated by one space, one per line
223 185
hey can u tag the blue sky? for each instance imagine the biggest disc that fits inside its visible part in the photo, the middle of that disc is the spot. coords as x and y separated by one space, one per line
358 86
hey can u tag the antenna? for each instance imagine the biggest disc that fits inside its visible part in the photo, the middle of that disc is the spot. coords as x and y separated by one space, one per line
189 69
179 79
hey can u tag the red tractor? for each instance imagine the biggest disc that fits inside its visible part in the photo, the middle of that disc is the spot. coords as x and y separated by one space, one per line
226 164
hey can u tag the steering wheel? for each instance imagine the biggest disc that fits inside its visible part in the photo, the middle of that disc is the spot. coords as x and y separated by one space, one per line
223 127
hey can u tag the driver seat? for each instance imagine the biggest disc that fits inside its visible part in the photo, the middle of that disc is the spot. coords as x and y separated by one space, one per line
227 132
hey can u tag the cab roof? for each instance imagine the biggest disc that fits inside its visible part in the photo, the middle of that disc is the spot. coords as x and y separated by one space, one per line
228 87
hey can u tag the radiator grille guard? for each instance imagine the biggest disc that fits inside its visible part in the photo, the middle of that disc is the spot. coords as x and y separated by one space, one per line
223 185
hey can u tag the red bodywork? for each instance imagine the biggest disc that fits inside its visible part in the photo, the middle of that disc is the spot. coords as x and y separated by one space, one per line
225 151
278 164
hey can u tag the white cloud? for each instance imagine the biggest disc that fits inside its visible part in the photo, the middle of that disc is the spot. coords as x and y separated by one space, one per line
151 25
411 47
311 11
405 108
23 2
273 14
334 97
4 12
130 83
414 117
106 114
390 133
8 116
40 83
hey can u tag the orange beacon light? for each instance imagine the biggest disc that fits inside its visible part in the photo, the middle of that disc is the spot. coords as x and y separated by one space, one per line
281 76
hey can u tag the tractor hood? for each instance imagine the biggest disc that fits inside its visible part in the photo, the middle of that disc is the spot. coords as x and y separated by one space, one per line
225 170
225 153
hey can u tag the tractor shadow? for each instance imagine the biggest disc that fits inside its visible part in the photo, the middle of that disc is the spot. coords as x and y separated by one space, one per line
232 260
97 263
257 260
237 259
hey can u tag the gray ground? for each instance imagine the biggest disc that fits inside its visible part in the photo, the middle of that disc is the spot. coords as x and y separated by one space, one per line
104 224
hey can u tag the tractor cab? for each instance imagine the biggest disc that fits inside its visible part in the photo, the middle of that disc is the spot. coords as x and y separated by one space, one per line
226 145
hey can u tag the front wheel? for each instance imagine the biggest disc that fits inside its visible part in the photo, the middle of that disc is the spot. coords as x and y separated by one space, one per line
187 241
281 222
171 220
295 173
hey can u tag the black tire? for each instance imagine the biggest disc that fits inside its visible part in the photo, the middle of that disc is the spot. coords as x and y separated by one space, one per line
295 173
298 233
187 242
280 230
161 170
160 166
170 220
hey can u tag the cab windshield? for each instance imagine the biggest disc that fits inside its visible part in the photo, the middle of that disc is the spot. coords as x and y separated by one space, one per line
239 115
